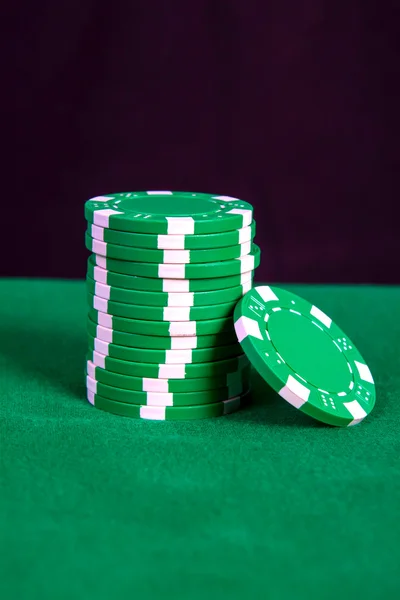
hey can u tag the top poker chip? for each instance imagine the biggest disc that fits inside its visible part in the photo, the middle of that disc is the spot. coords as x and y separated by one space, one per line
170 213
304 356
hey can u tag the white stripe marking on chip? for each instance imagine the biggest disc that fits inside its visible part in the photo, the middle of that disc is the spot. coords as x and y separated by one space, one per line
158 399
176 313
90 397
182 343
183 328
356 411
178 357
171 371
247 263
179 299
266 293
364 372
244 235
103 290
176 256
97 232
100 304
171 271
176 285
155 385
295 392
182 225
321 316
171 242
102 217
100 274
101 346
155 413
105 320
245 326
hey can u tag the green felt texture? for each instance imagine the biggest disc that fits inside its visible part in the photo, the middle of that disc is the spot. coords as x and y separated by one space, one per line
265 503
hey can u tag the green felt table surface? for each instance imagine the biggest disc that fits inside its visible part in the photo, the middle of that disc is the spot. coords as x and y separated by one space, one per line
264 503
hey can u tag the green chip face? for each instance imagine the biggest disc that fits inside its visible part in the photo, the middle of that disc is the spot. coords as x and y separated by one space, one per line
166 398
304 356
133 282
144 255
167 413
166 212
159 313
173 242
145 355
223 268
235 380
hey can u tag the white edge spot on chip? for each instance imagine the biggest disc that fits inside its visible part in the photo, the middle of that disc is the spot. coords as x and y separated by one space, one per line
155 413
102 217
104 333
184 343
160 399
171 242
91 369
100 304
171 371
321 316
171 271
245 326
181 299
173 357
155 385
99 247
100 275
99 360
247 263
105 320
295 392
182 225
90 397
102 289
183 328
244 235
97 232
176 285
155 193
364 372
226 198
245 248
247 215
176 313
101 346
101 261
176 256
91 384
266 293
246 287
356 411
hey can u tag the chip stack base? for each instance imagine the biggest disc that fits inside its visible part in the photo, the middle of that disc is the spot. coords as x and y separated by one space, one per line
166 272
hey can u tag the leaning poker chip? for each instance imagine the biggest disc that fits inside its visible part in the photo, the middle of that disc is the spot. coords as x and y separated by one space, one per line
168 213
163 371
153 342
162 328
223 268
304 356
144 255
168 413
173 242
184 286
163 398
165 299
235 381
168 357
161 313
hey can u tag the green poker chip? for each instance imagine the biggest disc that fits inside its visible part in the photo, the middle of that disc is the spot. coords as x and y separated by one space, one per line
164 299
133 282
144 255
162 328
223 268
168 413
166 398
173 242
304 356
145 355
234 380
153 342
159 313
166 212
168 371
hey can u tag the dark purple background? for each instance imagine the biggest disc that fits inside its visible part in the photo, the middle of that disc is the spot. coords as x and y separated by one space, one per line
292 106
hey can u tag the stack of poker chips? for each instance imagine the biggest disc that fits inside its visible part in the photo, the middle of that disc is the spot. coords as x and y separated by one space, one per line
166 272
